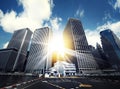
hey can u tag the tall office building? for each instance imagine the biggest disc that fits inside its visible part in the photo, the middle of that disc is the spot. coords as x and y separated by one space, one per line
39 58
20 41
7 59
111 47
101 52
99 57
76 43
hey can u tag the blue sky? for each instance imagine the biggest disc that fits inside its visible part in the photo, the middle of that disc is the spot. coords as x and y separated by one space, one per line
95 15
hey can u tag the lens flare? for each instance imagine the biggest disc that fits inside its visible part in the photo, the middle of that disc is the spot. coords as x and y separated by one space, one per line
57 45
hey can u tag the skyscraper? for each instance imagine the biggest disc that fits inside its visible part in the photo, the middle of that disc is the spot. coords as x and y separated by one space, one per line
101 52
99 56
7 59
76 43
20 41
111 47
39 58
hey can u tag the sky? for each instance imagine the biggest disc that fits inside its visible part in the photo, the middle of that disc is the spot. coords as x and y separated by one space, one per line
95 15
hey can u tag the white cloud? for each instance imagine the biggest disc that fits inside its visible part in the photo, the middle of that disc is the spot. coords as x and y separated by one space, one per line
107 16
5 45
1 14
111 2
117 4
93 36
80 13
55 23
34 13
115 27
104 26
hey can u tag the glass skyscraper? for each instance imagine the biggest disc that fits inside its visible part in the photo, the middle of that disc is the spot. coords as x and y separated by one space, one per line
20 41
39 58
7 59
99 56
111 47
76 42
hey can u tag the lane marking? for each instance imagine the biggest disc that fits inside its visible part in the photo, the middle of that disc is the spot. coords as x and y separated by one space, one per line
30 85
8 87
76 87
54 85
85 85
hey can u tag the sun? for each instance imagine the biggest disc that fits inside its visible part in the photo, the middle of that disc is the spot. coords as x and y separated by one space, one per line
57 45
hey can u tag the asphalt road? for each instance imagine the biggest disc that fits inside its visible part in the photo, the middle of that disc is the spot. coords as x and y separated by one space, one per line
7 80
72 83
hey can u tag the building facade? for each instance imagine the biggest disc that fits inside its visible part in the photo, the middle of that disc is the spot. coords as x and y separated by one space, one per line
20 41
7 59
39 58
111 47
63 68
100 57
77 45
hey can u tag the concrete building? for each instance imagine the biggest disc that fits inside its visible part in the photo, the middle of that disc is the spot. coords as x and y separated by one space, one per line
63 68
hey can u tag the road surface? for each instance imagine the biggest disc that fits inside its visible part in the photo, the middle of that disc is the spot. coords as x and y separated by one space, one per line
71 83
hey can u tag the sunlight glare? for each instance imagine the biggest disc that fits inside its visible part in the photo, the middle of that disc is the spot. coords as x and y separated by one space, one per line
57 45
